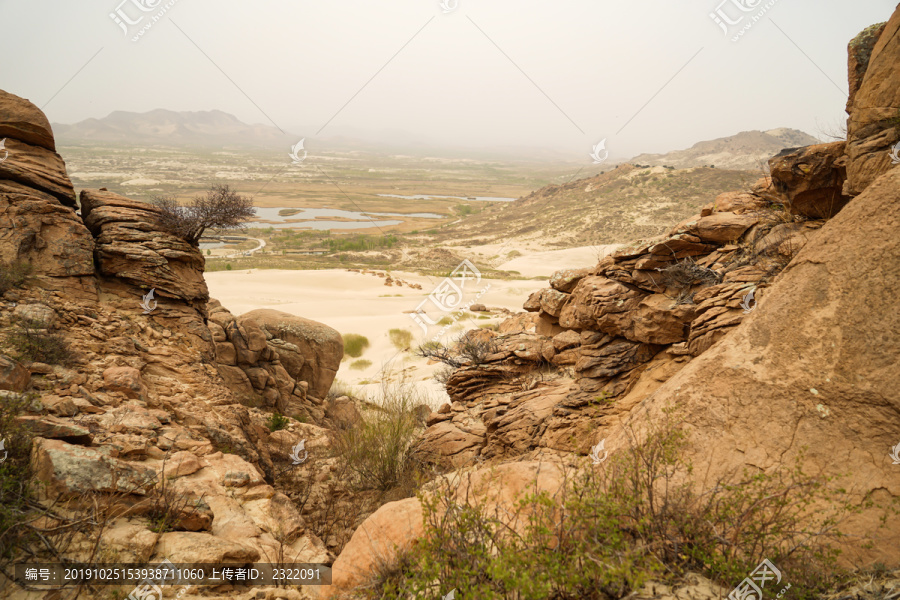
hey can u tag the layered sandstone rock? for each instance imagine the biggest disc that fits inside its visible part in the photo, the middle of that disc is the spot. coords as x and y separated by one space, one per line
873 127
37 200
310 351
130 246
811 179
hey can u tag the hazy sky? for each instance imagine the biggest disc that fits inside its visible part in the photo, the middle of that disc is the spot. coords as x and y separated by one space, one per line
647 75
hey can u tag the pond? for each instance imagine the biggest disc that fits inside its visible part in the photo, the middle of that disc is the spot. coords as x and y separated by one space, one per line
312 218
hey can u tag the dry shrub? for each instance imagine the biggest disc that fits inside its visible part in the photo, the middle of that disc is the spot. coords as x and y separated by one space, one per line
635 518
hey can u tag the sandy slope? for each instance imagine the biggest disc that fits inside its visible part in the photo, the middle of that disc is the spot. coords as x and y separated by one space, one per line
361 303
546 263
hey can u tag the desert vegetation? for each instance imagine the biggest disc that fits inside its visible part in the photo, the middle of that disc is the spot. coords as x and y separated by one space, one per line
613 527
221 208
355 344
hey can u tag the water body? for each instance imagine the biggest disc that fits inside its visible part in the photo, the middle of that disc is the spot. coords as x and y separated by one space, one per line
307 218
428 196
211 245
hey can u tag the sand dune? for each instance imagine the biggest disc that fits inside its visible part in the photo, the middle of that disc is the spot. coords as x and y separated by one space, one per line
360 303
546 263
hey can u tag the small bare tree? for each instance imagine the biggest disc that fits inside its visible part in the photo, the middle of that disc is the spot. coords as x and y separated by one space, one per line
468 351
222 208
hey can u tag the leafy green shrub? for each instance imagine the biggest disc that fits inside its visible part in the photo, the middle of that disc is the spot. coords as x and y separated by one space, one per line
227 266
278 422
355 344
400 338
32 340
361 364
13 275
636 517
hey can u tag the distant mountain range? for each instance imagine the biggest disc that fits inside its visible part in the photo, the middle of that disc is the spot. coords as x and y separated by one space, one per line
201 129
748 150
215 129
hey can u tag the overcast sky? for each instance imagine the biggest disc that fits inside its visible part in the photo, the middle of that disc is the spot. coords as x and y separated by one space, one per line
647 75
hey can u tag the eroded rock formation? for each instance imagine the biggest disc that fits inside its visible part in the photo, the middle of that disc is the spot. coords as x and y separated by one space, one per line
154 400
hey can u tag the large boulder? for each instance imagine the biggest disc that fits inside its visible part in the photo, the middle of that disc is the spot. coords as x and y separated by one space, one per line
13 376
812 369
874 123
69 470
23 121
37 199
396 526
810 179
30 158
308 350
131 247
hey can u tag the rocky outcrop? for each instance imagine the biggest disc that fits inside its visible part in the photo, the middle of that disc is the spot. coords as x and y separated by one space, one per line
270 370
747 318
38 224
766 392
596 334
309 351
130 246
150 407
874 123
811 179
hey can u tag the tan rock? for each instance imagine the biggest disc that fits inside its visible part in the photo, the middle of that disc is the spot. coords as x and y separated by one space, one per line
21 120
69 470
389 530
226 354
37 313
190 547
810 179
872 128
311 351
722 227
812 368
126 380
342 412
54 428
566 279
131 247
126 542
13 376
38 169
248 338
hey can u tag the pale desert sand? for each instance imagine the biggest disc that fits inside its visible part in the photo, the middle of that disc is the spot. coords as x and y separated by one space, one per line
360 303
546 263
